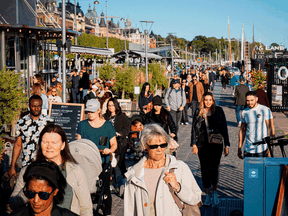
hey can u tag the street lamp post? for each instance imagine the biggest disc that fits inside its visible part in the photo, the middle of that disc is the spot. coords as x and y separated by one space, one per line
172 64
64 51
185 56
106 28
146 47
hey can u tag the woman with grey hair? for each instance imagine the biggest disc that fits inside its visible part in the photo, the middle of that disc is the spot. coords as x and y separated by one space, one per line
153 173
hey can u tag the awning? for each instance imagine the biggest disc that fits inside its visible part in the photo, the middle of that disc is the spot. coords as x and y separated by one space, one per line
88 50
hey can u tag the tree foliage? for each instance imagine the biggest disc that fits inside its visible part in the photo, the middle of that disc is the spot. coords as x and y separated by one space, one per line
125 80
156 72
89 40
12 97
107 71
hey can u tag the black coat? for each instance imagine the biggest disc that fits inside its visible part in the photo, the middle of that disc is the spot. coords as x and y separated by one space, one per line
199 132
121 125
56 211
152 118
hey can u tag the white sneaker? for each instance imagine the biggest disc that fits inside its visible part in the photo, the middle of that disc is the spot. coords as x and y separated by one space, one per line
181 123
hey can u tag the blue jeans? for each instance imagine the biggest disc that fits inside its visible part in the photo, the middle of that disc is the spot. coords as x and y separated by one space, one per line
238 109
75 95
84 93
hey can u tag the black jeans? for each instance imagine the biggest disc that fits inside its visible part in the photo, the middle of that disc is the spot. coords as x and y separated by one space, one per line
194 106
107 202
184 115
209 157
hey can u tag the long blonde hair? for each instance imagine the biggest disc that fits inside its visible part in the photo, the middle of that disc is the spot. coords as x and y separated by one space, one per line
202 105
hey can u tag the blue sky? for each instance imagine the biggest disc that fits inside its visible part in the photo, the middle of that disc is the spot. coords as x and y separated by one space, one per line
189 18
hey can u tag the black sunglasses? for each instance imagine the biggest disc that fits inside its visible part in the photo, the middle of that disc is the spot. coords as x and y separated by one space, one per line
42 195
164 145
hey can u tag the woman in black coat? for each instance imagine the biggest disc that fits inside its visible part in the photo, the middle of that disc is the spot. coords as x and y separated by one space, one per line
209 119
122 127
162 117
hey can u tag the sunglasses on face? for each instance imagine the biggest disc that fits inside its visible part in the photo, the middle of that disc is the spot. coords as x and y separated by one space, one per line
42 195
164 145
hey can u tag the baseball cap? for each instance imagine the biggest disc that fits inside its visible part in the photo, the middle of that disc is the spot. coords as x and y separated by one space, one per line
157 100
92 105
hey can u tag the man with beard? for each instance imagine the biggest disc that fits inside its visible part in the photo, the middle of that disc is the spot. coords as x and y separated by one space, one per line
28 130
256 123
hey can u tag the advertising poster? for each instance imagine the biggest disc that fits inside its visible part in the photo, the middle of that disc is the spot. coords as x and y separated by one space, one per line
277 95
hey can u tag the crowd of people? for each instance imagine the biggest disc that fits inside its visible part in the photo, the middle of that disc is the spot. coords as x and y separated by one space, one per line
51 182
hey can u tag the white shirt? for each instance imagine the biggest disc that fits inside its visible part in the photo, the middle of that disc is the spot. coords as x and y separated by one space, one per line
257 128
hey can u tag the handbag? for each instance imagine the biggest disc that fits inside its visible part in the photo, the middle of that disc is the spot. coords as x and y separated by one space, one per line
213 138
185 209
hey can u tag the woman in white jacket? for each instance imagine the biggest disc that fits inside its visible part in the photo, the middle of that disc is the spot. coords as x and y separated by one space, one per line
53 146
146 190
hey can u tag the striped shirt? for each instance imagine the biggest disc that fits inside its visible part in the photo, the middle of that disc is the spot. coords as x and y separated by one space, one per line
257 128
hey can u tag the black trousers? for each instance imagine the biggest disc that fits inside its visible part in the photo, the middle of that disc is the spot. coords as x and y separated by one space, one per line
209 157
194 106
121 162
107 202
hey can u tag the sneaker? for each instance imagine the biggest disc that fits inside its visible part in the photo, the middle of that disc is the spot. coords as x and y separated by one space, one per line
186 123
215 198
181 123
207 201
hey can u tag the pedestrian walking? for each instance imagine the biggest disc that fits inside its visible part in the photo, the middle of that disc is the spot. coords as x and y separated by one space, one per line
233 81
184 116
196 91
175 101
224 79
209 134
212 79
45 186
121 124
262 95
240 99
53 146
145 99
256 123
103 134
28 129
84 84
161 116
147 187
75 79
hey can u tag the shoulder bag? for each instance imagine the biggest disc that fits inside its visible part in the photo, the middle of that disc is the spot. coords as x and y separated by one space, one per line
213 138
185 209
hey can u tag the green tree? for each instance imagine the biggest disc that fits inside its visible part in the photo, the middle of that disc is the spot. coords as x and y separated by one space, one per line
12 97
158 78
125 80
107 71
89 40
274 44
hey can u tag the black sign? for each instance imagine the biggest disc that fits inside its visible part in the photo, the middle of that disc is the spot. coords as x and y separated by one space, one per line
67 116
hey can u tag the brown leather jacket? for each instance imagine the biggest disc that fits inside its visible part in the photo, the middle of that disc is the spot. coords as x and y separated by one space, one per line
199 88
